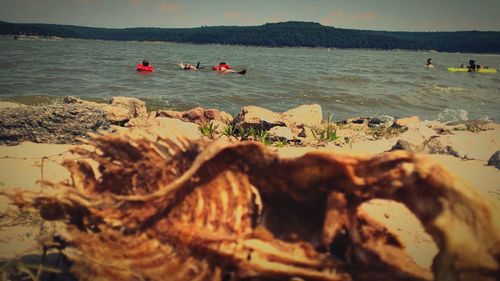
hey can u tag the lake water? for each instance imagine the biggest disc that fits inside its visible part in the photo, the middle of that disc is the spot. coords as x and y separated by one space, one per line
346 83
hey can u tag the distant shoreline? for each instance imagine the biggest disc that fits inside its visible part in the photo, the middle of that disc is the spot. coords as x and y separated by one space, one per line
253 46
285 34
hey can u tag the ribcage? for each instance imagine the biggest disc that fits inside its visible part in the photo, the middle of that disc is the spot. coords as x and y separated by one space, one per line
155 209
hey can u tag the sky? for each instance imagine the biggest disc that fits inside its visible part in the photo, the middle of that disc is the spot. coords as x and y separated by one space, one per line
391 15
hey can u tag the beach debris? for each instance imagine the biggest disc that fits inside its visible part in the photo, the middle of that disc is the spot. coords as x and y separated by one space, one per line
143 208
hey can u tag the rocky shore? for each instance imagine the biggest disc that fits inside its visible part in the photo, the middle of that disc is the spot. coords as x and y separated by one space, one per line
34 140
71 120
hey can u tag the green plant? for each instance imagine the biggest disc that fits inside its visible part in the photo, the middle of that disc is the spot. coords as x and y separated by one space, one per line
329 133
229 130
281 143
263 137
239 131
246 133
208 129
250 132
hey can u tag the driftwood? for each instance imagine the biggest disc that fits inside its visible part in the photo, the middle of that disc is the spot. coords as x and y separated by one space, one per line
142 209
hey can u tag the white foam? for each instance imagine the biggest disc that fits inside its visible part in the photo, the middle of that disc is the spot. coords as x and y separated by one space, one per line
452 115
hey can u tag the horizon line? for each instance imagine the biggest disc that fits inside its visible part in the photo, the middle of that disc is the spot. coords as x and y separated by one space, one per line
289 21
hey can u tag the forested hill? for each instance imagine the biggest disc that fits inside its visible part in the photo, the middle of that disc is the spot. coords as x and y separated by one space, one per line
291 34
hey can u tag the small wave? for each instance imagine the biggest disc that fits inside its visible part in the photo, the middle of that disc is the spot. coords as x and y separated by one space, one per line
435 88
400 83
451 115
428 77
348 79
494 79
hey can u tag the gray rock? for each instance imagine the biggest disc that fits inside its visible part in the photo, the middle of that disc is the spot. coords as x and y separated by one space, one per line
495 160
406 146
431 146
374 121
119 110
258 118
471 125
412 121
355 120
58 123
434 146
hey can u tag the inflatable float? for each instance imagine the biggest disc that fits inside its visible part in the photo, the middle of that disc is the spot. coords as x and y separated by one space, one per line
481 70
148 68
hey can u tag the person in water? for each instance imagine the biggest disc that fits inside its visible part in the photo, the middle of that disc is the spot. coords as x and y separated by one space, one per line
226 68
189 66
429 63
144 66
472 65
223 67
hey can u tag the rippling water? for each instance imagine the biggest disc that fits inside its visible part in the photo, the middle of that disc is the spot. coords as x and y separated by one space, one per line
346 83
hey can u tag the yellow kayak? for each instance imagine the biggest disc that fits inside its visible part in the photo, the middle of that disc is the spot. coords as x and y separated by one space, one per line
482 70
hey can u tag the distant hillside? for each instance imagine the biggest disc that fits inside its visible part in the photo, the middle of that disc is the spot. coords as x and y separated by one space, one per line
286 34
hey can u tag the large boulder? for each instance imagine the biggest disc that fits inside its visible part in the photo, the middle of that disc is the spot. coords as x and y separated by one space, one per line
175 128
6 104
57 123
416 134
119 110
412 121
305 115
143 121
279 133
258 117
122 109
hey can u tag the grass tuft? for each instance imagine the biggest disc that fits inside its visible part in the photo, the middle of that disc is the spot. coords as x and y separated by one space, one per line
208 129
329 133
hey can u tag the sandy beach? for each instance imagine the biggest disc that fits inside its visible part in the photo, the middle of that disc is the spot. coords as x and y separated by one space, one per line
464 150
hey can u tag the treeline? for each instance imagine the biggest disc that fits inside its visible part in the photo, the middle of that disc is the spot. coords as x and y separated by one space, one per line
287 34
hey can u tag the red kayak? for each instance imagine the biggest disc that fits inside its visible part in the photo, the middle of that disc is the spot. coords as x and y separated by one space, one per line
148 68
